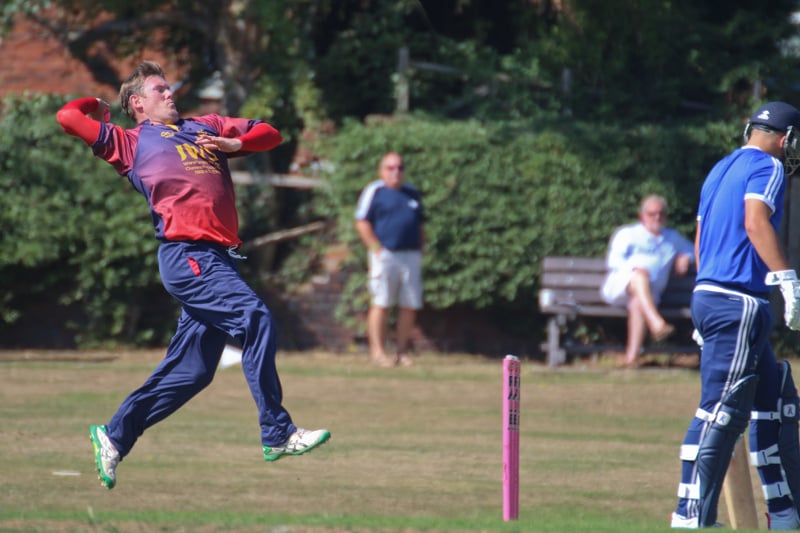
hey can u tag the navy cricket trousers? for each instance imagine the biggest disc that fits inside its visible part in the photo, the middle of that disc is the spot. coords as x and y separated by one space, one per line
735 328
216 303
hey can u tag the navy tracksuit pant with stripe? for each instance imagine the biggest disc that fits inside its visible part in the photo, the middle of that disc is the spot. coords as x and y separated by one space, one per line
216 303
735 328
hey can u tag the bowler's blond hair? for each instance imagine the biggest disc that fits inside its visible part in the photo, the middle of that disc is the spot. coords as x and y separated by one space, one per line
135 82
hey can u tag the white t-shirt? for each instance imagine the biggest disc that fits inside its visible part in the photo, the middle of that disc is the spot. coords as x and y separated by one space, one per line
633 247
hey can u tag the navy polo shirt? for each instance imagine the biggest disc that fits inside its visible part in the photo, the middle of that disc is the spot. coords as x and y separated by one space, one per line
396 215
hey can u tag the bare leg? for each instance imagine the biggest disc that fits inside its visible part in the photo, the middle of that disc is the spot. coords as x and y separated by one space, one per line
636 332
405 324
377 318
639 288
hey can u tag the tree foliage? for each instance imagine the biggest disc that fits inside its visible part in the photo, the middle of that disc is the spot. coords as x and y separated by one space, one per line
610 60
616 59
645 59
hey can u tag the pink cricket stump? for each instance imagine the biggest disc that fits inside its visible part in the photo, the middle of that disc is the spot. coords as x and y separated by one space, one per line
511 390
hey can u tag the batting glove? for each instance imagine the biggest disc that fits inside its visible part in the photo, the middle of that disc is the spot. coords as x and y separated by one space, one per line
790 289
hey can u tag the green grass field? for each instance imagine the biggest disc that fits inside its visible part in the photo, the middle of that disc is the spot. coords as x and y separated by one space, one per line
415 449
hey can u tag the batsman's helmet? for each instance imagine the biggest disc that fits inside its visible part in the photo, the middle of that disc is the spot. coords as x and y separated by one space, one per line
783 118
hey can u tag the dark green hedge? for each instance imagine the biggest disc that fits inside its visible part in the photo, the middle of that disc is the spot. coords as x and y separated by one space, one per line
74 234
501 196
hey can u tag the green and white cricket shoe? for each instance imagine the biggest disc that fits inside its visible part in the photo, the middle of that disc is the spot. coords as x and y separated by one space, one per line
105 455
300 442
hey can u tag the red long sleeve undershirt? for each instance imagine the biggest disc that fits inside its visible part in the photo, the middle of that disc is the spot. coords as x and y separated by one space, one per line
261 137
74 121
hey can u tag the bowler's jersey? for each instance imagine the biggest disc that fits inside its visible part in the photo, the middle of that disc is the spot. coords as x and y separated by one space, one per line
727 256
189 188
396 215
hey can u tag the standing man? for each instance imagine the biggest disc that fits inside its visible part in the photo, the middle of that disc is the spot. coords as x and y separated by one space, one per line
738 258
641 257
181 168
389 220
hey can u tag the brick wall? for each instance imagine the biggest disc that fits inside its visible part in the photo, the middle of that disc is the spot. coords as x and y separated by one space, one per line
34 61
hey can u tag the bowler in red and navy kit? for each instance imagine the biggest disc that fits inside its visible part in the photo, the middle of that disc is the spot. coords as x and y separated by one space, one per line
181 167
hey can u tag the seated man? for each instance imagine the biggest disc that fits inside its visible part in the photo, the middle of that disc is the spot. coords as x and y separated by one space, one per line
641 257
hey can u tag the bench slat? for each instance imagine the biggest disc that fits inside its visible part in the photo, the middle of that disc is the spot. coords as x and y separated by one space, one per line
604 310
575 296
573 279
560 263
585 288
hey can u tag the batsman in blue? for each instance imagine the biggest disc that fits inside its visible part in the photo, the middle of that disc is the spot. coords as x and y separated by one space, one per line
739 259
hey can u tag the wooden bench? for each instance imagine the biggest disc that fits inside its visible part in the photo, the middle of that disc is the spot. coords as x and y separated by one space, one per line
570 288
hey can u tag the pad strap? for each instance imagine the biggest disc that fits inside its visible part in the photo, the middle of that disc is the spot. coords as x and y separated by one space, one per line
776 490
704 415
770 456
765 415
689 452
689 490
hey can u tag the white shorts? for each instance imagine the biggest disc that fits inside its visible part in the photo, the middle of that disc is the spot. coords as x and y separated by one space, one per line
615 288
396 277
